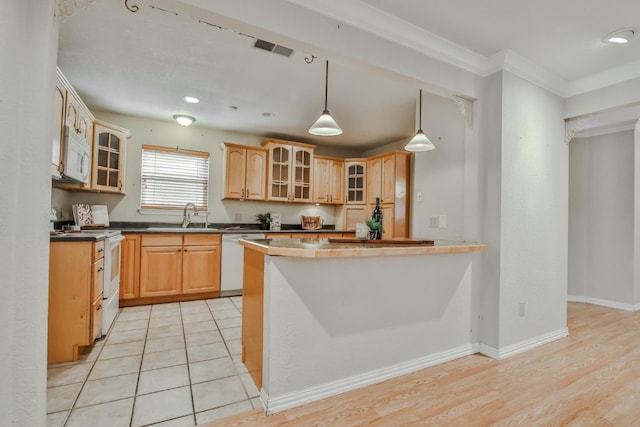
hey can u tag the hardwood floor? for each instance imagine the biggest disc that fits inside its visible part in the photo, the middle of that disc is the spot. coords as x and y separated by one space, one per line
591 378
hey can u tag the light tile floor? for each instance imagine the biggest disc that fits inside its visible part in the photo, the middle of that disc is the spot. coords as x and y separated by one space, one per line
174 364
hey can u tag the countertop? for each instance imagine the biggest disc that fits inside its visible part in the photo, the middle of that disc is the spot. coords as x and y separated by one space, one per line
323 248
83 236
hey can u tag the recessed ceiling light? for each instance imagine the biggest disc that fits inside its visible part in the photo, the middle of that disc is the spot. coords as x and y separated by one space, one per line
232 108
191 99
621 36
267 114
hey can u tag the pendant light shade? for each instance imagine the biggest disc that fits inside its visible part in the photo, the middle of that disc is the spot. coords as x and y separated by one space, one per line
420 142
325 125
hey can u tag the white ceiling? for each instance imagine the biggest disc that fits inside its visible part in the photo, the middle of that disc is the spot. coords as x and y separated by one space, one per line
144 63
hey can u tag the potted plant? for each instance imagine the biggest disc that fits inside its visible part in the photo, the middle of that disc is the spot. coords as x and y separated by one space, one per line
375 229
265 219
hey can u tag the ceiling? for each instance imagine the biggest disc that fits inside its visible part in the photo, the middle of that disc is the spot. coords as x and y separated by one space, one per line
144 63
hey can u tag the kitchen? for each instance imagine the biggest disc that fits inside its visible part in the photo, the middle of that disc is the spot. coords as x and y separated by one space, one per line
470 197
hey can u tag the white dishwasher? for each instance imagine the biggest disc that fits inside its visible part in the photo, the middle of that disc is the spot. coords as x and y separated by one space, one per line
232 260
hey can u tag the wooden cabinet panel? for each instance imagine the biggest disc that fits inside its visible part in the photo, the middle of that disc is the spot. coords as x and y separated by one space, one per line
355 214
161 240
388 189
201 269
130 267
59 101
75 294
328 180
202 239
160 270
304 235
244 172
374 180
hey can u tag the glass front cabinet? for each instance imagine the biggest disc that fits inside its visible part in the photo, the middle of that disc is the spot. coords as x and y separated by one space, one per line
109 148
290 170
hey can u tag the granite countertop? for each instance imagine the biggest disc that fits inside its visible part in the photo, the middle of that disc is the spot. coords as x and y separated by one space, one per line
156 228
323 248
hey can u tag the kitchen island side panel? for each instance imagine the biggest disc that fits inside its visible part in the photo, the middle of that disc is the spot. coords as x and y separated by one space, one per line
331 320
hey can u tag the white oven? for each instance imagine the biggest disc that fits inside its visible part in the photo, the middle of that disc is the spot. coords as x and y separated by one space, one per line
111 287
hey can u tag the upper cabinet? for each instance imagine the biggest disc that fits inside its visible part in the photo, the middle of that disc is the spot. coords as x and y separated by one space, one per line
356 179
290 170
108 142
109 151
244 172
328 180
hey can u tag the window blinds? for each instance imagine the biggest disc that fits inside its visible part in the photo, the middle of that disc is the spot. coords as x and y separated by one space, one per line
172 178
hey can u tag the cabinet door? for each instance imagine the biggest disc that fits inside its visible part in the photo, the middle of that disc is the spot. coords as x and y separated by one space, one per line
321 180
337 182
160 270
130 267
256 174
234 173
302 174
388 221
374 180
96 318
58 129
201 269
356 182
388 190
279 172
355 214
108 159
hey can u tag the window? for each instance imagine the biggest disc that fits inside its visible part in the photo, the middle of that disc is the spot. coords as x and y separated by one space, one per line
172 177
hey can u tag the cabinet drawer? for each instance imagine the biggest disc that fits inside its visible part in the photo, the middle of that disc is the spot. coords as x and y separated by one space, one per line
162 240
98 250
98 279
201 239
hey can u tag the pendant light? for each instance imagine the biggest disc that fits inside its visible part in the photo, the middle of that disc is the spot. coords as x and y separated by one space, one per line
325 125
420 142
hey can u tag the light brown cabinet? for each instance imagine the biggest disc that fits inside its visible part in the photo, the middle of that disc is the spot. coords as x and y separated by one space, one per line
130 267
356 180
328 180
76 274
290 170
59 102
175 265
109 151
388 179
244 172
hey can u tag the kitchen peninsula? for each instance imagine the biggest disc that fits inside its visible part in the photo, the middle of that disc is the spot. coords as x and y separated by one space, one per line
321 317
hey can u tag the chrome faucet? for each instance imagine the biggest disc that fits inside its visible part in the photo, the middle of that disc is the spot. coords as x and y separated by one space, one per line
186 218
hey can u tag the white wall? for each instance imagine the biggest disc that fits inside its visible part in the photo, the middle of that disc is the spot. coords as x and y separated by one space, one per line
534 212
28 45
601 212
170 134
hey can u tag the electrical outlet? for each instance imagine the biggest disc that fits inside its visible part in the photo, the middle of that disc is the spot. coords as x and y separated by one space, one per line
237 217
442 221
419 196
434 221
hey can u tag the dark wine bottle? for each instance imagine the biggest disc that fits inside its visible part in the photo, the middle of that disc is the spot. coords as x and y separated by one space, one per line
376 216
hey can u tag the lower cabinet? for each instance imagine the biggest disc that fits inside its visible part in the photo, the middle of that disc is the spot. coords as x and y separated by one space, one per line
169 267
76 274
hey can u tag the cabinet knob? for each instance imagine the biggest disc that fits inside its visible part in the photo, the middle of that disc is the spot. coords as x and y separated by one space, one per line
101 250
242 193
247 193
100 269
99 307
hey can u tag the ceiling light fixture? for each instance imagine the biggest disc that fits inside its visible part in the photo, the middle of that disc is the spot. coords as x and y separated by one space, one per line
420 142
191 99
621 36
325 125
183 119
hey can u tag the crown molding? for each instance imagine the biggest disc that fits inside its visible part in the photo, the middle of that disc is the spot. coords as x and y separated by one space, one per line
375 21
606 130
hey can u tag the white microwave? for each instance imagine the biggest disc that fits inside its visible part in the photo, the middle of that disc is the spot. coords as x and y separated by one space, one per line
76 162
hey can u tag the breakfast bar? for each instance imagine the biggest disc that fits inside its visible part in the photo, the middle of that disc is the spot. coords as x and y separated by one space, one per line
324 316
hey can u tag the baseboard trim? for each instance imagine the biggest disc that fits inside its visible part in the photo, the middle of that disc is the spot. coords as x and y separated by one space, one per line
604 303
521 347
274 404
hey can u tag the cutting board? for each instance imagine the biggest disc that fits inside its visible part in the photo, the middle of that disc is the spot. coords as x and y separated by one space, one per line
406 242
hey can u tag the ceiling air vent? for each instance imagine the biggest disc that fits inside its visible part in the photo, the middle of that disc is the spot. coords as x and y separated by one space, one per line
272 47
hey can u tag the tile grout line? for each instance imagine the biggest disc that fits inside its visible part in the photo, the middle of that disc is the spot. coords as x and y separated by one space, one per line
135 392
186 354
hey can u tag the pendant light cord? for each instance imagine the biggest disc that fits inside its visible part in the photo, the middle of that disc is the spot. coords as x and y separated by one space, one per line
420 115
326 85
